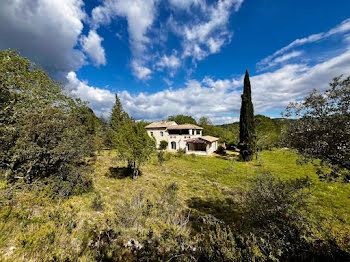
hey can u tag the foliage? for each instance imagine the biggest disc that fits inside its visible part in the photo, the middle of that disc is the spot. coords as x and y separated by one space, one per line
323 130
247 143
163 145
268 132
143 230
152 218
160 156
134 145
181 152
118 116
221 244
182 119
204 121
43 132
274 213
221 150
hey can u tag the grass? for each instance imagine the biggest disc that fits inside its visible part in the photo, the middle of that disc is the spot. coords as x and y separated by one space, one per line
202 185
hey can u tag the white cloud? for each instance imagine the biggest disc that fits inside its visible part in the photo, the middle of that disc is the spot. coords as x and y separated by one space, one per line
339 29
140 71
282 59
203 34
140 16
274 90
207 32
288 56
206 98
92 46
220 99
171 62
168 81
187 4
45 31
100 100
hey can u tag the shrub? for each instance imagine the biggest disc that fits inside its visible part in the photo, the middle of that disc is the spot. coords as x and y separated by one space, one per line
322 130
143 230
180 152
160 156
221 150
97 203
221 244
163 145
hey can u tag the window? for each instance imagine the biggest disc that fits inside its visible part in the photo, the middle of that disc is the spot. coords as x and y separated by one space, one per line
151 133
173 145
161 133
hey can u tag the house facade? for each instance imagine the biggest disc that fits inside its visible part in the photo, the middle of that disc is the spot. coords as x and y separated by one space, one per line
186 136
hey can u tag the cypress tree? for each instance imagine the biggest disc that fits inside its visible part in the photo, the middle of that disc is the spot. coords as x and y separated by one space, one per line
247 143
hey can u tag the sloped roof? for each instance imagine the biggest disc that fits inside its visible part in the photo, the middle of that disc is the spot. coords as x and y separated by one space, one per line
162 124
209 138
184 126
203 139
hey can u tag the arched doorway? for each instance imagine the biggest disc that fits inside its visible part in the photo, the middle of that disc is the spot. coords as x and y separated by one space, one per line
173 145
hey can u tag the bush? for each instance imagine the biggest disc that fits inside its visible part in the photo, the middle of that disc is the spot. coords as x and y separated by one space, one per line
221 150
180 152
97 203
44 134
160 156
163 145
232 144
221 244
143 230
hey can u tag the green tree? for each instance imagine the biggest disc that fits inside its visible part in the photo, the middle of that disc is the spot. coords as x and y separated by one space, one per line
40 132
118 114
322 128
134 145
204 121
182 119
268 132
247 142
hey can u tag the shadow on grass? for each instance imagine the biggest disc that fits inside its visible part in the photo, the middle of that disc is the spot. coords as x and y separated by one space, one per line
226 210
119 172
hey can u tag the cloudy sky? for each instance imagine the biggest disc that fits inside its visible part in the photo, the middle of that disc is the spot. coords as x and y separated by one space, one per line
166 57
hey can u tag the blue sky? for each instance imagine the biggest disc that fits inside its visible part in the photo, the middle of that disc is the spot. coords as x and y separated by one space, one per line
166 57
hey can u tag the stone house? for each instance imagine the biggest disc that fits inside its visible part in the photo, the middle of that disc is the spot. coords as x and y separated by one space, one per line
186 136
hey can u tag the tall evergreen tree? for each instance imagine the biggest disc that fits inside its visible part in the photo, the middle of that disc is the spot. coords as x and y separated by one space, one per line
247 142
118 115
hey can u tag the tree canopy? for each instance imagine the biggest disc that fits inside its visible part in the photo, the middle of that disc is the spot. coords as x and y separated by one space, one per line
182 119
43 132
322 130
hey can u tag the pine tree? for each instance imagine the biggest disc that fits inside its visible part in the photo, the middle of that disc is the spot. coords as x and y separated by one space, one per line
118 115
247 143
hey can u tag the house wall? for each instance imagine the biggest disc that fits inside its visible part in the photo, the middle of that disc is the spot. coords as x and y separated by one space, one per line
212 147
156 133
180 140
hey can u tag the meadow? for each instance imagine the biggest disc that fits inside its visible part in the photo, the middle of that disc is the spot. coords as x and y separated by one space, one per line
36 227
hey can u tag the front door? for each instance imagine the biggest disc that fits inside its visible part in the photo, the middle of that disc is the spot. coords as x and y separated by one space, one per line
173 145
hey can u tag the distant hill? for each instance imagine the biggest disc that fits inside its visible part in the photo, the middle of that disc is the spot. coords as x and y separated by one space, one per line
278 121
